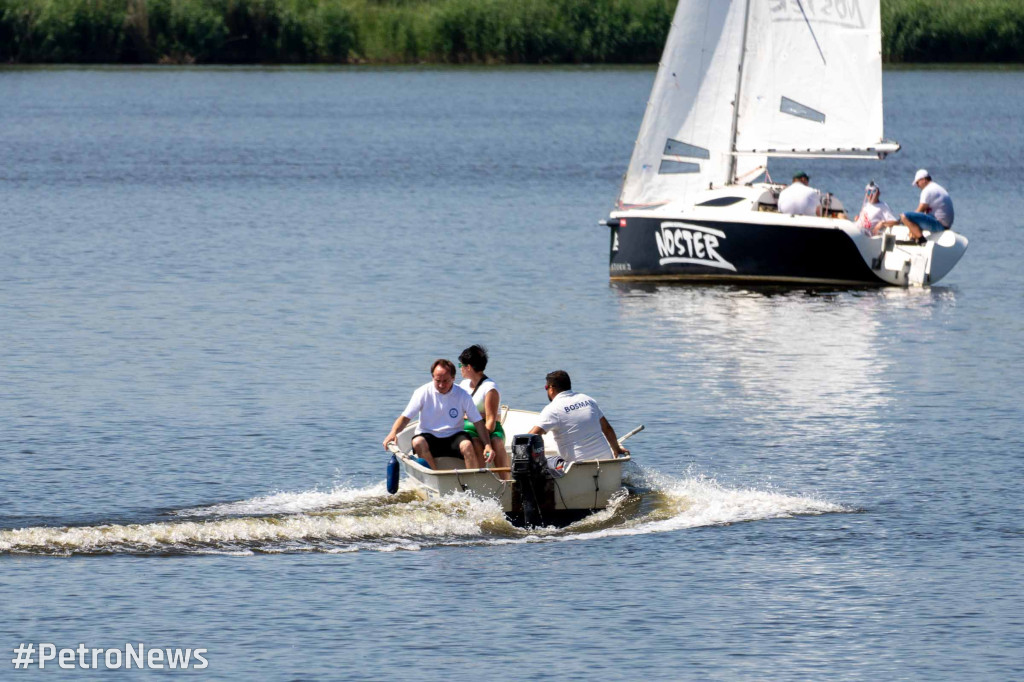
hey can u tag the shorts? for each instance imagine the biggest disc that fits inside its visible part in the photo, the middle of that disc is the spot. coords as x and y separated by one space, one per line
470 429
444 447
925 221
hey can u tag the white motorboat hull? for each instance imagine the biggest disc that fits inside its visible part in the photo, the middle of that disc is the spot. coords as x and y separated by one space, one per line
585 487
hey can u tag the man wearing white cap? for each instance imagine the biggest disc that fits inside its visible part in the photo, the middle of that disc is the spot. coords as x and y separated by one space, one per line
935 211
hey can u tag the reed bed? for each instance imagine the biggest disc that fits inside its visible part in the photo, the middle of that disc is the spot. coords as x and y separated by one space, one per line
440 31
963 31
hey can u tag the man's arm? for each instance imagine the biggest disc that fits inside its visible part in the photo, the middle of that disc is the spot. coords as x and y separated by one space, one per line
400 424
537 430
924 208
613 440
485 436
882 225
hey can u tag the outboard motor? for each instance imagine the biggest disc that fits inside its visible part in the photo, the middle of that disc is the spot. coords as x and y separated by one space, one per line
529 471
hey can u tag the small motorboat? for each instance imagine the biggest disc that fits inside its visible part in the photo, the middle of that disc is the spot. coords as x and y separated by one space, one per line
538 489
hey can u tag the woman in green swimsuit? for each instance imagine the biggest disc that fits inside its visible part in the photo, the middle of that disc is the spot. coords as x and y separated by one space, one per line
472 363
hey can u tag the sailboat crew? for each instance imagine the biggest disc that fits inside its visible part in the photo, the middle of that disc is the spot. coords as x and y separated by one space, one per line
440 405
875 214
800 198
935 210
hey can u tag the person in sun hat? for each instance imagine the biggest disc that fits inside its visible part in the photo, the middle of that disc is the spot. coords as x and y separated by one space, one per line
935 208
875 214
800 198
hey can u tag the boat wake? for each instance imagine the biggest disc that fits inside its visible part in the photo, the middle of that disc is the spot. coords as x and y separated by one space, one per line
368 519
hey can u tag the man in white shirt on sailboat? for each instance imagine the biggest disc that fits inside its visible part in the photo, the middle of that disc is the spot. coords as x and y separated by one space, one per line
800 198
935 210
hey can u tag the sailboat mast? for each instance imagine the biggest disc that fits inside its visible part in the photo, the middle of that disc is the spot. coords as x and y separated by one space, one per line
736 99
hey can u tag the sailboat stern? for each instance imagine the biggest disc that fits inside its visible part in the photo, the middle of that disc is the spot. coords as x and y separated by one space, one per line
898 260
947 250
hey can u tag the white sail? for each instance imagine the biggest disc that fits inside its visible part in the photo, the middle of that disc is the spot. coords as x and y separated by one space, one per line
685 139
812 78
807 75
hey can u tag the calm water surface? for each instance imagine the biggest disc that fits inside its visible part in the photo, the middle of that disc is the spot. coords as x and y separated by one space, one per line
219 287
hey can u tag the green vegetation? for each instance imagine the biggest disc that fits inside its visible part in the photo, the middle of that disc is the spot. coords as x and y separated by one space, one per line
446 31
953 30
333 31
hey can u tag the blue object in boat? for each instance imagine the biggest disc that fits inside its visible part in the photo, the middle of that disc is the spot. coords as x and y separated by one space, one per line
393 472
422 462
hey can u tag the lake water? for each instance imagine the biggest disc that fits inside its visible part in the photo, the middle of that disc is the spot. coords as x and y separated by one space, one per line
218 288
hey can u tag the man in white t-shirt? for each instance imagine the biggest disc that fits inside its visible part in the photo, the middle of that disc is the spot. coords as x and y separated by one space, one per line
800 198
440 405
935 209
576 422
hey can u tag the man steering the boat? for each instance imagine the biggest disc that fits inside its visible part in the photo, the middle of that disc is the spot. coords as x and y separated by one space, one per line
440 405
577 423
800 198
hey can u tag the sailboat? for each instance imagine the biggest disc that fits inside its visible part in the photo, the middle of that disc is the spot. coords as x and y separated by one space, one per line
742 81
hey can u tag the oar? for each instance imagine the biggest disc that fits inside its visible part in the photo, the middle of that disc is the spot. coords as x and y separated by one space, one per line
631 433
394 450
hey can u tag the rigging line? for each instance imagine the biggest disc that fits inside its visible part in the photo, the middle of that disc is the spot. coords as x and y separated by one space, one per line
811 29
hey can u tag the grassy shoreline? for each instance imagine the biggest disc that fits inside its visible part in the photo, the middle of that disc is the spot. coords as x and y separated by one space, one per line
440 31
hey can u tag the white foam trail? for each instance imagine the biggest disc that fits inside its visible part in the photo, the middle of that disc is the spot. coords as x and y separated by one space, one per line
398 527
699 502
348 520
290 502
686 503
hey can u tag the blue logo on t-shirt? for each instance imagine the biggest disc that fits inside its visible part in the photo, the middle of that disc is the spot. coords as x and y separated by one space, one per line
453 413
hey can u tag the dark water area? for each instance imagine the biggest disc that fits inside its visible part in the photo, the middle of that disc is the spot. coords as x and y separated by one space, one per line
218 288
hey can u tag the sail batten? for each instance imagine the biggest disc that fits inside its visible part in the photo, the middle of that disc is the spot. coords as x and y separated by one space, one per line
824 68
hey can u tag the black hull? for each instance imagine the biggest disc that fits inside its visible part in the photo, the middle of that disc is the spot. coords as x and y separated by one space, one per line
659 249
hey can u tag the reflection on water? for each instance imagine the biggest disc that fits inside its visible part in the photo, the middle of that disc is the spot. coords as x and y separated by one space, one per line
789 360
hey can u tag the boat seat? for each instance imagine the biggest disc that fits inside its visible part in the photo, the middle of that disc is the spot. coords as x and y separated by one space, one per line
449 463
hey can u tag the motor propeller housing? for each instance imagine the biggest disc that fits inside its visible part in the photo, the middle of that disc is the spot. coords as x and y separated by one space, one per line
529 471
